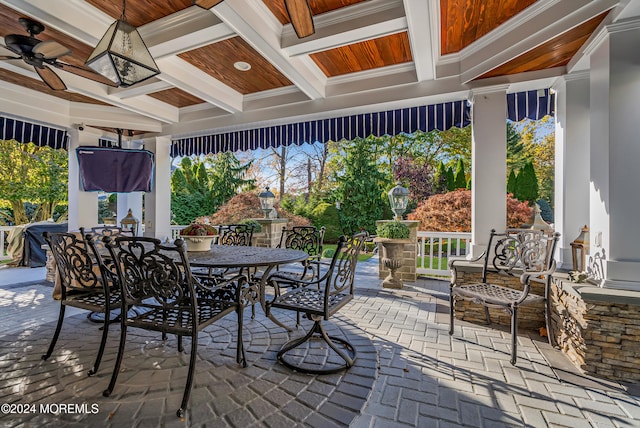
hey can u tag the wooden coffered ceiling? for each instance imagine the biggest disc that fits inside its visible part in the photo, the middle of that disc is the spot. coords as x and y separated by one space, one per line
364 53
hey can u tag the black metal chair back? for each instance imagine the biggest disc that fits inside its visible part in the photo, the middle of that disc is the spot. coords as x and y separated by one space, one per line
320 299
308 239
84 284
155 280
236 234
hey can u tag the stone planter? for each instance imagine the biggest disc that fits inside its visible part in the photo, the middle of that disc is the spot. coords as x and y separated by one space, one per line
392 258
198 243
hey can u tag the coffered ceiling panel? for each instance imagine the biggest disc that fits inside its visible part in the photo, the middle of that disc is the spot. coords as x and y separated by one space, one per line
318 7
218 60
464 22
176 97
367 55
140 12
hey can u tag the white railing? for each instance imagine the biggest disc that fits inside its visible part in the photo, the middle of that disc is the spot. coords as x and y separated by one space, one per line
435 249
175 230
4 233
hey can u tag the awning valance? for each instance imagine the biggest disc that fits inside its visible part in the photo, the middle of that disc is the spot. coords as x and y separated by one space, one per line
408 120
530 104
27 132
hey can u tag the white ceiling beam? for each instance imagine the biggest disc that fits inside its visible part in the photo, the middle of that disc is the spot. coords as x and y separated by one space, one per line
185 76
112 117
543 21
423 24
143 88
258 27
345 26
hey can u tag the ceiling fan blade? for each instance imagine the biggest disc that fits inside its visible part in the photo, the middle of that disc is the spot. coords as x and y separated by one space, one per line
49 77
9 57
51 49
206 4
83 72
301 17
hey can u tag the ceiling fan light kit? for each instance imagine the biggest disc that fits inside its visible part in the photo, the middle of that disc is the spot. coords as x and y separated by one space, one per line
122 56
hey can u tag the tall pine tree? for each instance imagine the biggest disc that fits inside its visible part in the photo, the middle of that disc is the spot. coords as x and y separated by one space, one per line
511 183
451 179
527 184
440 180
460 177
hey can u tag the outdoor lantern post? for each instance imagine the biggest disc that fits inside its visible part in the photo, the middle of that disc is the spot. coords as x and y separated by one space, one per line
398 199
129 222
267 198
579 249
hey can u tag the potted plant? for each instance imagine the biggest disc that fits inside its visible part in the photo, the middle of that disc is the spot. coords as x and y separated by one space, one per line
198 236
392 237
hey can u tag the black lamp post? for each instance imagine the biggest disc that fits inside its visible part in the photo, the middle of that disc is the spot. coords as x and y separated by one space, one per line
267 198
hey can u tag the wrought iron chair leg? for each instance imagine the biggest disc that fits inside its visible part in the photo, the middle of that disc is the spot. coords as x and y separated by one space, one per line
54 339
514 335
192 367
103 342
180 347
116 367
487 315
240 357
452 302
547 322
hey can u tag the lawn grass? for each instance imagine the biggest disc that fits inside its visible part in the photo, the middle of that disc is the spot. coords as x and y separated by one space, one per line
361 257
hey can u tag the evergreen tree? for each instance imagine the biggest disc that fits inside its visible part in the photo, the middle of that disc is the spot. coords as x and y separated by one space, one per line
460 181
469 184
451 180
511 183
440 180
359 188
527 184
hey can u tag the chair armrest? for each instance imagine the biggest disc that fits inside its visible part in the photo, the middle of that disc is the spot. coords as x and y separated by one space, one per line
453 268
528 276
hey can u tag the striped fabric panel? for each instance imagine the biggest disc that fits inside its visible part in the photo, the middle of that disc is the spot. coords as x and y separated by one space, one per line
533 105
27 132
408 120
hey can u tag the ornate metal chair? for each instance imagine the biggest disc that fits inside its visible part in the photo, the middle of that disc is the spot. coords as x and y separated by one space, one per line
236 234
156 278
524 253
320 299
84 285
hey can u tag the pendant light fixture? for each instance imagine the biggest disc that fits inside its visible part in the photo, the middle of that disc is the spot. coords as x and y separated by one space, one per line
121 55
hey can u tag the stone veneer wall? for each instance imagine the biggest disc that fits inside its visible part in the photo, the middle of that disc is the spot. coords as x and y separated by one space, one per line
529 317
408 270
598 328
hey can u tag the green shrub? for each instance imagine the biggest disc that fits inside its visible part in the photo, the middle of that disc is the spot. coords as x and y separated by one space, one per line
392 230
326 214
328 253
257 227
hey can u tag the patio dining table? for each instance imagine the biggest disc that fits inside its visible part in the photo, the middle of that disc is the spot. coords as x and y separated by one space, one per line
231 256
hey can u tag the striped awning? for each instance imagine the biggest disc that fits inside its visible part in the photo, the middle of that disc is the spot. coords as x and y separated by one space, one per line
530 104
408 120
28 132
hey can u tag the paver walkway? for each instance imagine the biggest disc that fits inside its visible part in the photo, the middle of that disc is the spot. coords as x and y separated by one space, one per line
410 373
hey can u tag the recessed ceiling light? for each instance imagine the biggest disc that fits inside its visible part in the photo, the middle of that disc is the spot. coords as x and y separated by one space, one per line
242 66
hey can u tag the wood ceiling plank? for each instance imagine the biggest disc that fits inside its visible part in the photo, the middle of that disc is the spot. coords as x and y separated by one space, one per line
465 21
217 60
317 7
140 12
554 53
380 52
176 97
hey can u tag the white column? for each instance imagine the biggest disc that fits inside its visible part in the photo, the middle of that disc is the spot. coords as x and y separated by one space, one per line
157 203
83 206
571 200
615 152
488 166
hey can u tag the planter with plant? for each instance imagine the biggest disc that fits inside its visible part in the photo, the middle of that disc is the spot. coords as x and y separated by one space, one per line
198 236
392 237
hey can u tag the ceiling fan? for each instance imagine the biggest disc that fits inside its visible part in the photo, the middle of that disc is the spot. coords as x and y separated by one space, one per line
43 56
299 13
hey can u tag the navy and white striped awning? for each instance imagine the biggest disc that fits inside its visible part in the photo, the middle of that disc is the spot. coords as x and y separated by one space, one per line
28 132
408 120
530 104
